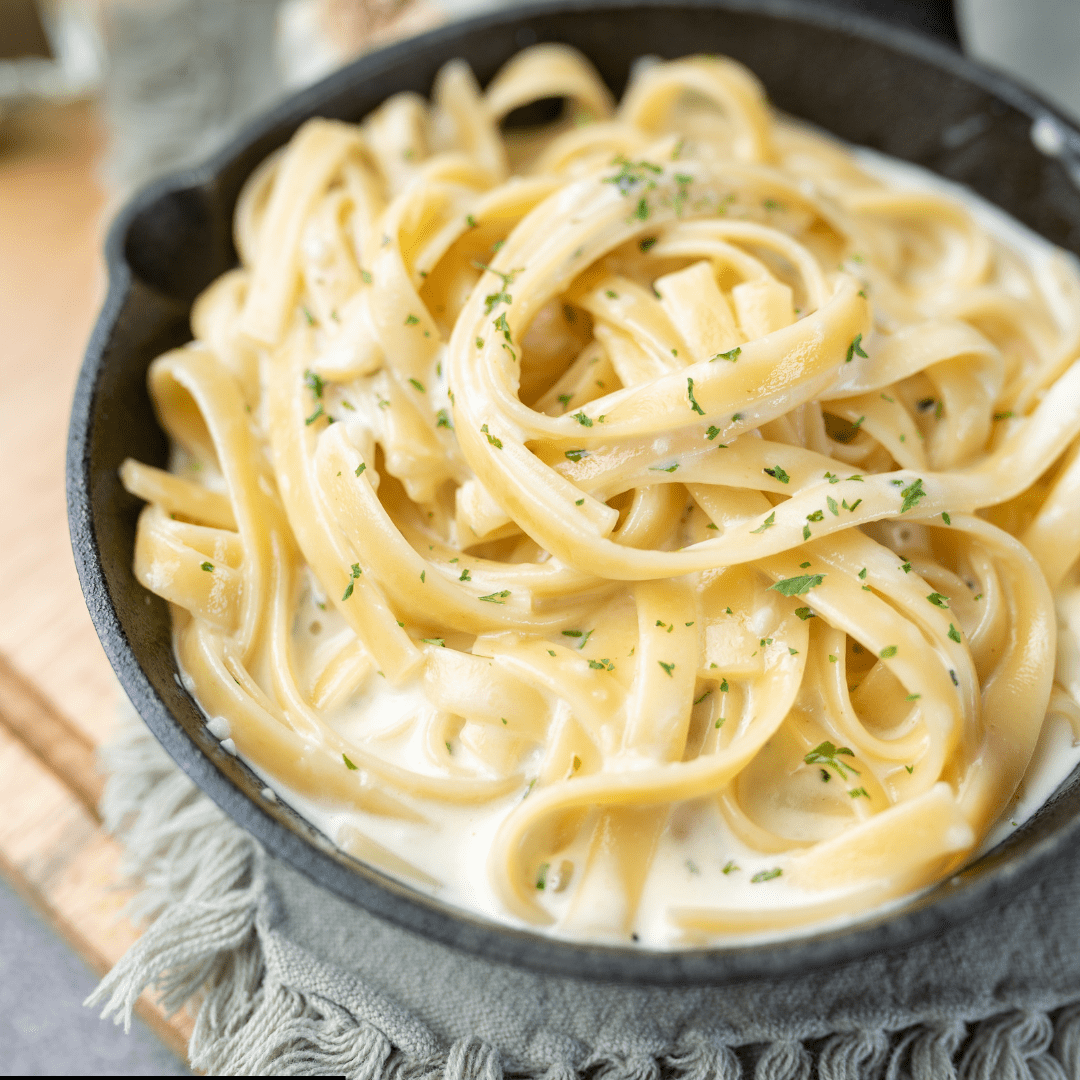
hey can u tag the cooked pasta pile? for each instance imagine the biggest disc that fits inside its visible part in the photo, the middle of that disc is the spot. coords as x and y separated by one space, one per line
661 458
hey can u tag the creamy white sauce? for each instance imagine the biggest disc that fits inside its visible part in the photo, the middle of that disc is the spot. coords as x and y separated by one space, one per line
697 845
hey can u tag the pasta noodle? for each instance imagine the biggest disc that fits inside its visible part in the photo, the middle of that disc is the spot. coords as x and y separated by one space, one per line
661 480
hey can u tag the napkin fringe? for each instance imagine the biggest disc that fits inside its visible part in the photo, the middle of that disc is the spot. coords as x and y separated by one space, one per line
210 947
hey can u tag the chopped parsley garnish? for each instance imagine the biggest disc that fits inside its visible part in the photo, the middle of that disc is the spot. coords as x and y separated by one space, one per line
850 508
496 597
954 634
669 668
768 523
647 242
631 174
862 574
664 468
766 875
777 473
360 468
641 211
796 586
208 567
724 688
418 385
576 455
494 440
470 221
541 876
354 573
1003 415
859 792
314 382
698 701
912 494
830 502
465 576
938 600
817 515
828 755
946 519
805 613
602 665
690 394
434 641
729 867
711 433
571 633
319 411
582 419
307 315
855 349
731 354
889 650
365 276
442 419
411 320
348 763
832 478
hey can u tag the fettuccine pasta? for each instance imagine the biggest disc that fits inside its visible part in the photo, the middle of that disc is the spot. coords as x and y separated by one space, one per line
657 490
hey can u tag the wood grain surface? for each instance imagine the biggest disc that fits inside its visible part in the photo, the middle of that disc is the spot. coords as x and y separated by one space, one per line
58 695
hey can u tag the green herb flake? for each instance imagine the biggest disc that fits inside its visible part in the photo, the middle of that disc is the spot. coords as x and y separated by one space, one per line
465 575
690 394
434 641
954 634
669 668
946 519
582 419
912 494
208 567
360 468
348 764
731 354
579 502
796 586
576 455
938 600
887 652
862 574
319 411
768 523
442 419
711 433
470 221
859 793
411 320
496 597
492 439
730 867
855 349
766 875
365 276
777 473
805 613
817 515
698 701
828 755
418 385
314 382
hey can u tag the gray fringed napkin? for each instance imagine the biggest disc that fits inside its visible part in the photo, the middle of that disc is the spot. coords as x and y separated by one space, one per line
289 980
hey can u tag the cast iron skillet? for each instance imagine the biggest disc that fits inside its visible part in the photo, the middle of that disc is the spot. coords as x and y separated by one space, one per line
868 82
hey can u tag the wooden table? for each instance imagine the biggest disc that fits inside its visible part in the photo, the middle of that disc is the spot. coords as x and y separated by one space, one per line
58 695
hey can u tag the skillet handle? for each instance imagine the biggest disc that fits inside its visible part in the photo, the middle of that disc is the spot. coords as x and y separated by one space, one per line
934 17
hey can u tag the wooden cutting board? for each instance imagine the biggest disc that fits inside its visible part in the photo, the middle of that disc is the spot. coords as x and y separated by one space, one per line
58 695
